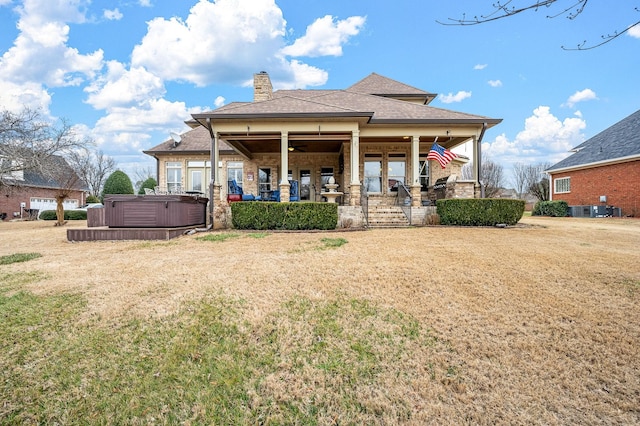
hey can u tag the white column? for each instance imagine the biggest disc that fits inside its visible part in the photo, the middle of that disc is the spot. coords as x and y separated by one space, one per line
355 157
284 157
215 159
415 160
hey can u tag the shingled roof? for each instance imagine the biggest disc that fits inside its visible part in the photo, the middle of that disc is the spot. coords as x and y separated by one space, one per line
618 142
196 140
375 97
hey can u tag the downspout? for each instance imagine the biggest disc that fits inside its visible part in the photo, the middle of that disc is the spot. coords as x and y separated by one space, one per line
212 181
484 127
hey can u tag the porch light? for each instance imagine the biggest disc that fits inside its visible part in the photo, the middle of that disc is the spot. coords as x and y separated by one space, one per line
290 148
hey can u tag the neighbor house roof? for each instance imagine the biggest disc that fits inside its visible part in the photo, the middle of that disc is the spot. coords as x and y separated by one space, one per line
54 172
619 142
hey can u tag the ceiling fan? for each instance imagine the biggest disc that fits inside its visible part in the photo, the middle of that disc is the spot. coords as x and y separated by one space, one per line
296 148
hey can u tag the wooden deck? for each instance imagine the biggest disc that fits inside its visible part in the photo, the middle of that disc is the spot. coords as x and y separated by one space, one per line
111 234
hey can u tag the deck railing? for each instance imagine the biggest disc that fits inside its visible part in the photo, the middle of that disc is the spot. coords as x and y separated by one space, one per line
404 200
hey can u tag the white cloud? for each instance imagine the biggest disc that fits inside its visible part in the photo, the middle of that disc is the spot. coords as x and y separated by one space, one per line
14 97
494 83
113 15
234 40
580 96
458 97
219 101
325 37
634 31
544 139
40 52
122 87
480 66
130 127
145 3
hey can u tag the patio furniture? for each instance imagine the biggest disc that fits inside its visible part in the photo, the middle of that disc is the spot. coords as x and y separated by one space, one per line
294 194
235 192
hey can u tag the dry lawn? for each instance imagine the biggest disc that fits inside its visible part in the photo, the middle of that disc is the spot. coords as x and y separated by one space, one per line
533 324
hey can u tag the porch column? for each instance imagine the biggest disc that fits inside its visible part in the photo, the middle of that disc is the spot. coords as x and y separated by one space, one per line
415 171
284 167
477 167
355 185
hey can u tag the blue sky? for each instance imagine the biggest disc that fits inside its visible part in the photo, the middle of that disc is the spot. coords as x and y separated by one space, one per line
129 72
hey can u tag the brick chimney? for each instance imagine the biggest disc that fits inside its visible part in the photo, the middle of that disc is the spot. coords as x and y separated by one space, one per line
262 89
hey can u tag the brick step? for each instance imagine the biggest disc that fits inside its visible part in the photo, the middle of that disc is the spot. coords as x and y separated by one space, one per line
386 216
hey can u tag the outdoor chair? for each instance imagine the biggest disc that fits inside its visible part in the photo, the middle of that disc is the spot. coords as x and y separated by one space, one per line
275 196
149 191
294 192
235 192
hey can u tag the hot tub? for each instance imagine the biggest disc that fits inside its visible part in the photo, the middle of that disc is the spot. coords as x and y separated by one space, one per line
154 211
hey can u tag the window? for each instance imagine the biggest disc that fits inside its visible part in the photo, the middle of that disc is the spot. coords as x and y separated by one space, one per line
424 173
373 172
195 183
397 171
174 176
562 185
264 179
235 171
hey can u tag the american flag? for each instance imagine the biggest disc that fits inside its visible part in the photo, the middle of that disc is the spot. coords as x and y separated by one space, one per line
441 155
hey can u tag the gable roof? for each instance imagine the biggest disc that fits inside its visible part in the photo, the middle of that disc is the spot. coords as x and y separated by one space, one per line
375 98
616 143
35 176
196 140
376 84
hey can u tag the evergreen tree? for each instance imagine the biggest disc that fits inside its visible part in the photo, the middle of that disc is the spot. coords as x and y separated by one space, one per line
117 183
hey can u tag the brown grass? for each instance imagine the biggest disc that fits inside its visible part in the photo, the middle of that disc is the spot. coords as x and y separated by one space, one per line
533 324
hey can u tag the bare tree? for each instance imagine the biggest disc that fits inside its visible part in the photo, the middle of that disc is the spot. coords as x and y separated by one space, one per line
142 174
570 9
520 182
93 167
491 176
28 142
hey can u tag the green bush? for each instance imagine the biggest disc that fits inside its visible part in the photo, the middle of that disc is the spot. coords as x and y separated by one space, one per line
290 216
551 208
68 215
117 183
92 199
480 211
149 183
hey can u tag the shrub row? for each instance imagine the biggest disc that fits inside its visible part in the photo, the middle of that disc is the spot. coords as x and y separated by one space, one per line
68 215
290 216
480 211
551 208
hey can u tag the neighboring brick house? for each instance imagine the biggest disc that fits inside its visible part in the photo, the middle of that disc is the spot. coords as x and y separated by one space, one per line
367 137
25 193
603 171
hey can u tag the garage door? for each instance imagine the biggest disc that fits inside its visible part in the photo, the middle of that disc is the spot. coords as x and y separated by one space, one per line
50 204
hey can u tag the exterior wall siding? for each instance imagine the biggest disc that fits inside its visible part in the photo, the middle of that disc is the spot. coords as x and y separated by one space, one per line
619 182
12 196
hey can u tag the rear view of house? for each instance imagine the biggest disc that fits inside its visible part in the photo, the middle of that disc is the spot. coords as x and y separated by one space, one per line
372 139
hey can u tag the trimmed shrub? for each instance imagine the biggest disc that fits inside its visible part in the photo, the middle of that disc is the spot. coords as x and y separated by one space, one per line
261 215
480 211
68 215
149 183
117 183
551 208
92 199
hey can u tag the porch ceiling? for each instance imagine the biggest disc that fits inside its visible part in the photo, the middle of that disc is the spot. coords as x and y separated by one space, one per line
269 143
301 142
